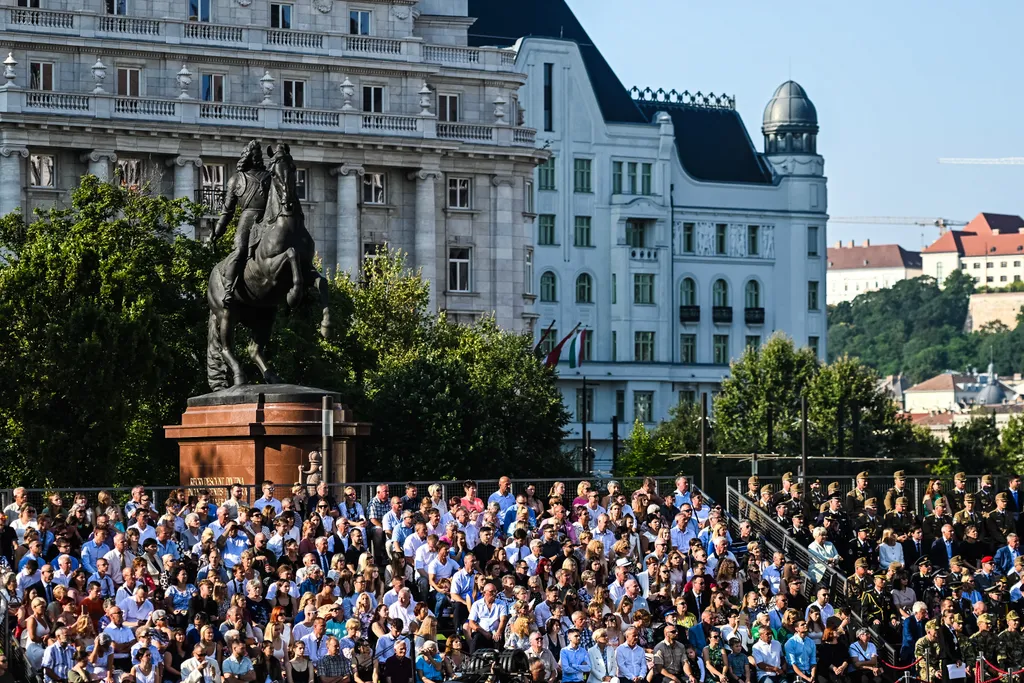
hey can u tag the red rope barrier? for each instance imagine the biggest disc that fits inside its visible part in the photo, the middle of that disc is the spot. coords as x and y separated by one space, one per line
1001 672
902 668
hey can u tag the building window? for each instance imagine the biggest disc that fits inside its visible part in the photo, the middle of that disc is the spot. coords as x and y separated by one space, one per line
643 288
375 188
373 98
1002 264
29 3
989 279
128 82
528 271
1002 278
812 240
213 88
636 234
752 294
989 264
812 295
294 94
753 342
976 266
447 107
584 289
688 348
616 177
720 293
588 345
615 346
211 177
280 16
458 193
528 196
372 251
688 396
615 288
546 229
302 184
1016 264
688 292
581 232
585 404
458 269
548 287
753 240
688 238
720 238
643 347
117 7
549 97
812 343
359 22
620 405
548 341
581 175
643 406
129 173
198 10
546 174
721 349
645 179
938 271
1016 278
631 177
40 75
41 168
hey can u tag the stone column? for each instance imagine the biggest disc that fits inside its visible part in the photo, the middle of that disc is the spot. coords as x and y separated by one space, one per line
425 242
100 161
346 239
507 264
11 177
185 185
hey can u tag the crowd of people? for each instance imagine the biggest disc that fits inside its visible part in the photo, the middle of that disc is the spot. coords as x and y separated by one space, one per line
592 585
943 587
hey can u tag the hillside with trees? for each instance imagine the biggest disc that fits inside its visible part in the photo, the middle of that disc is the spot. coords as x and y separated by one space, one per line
918 328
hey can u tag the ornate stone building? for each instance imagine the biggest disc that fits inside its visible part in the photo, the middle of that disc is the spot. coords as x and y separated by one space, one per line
404 135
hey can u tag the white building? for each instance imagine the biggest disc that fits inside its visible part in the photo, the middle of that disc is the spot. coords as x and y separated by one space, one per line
956 392
990 249
856 269
659 226
403 134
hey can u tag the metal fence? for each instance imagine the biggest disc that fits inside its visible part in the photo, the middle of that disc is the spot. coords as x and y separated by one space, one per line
17 665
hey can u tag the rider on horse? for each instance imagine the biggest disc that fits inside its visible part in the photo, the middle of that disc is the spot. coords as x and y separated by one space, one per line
248 188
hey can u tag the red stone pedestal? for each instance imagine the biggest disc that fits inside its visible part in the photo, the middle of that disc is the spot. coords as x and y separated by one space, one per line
248 434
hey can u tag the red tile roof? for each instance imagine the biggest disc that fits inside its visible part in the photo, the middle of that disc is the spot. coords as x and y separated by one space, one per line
931 419
872 256
944 382
988 234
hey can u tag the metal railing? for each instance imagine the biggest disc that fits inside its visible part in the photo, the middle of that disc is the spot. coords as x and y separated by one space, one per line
778 539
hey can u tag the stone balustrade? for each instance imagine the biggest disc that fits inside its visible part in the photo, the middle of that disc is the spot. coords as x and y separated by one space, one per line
180 32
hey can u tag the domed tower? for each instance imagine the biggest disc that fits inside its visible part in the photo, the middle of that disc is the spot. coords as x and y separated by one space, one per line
790 129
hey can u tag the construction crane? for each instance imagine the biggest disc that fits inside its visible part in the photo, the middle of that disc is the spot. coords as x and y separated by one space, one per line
984 161
943 224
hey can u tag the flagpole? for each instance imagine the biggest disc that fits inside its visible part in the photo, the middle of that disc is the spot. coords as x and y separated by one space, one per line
586 452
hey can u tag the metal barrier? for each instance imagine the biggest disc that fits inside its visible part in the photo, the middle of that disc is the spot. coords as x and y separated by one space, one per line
17 664
778 539
878 486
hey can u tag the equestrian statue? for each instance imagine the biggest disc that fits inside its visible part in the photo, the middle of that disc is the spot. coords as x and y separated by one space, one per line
271 264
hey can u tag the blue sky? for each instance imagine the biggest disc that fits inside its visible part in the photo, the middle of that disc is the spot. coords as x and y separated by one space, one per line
896 85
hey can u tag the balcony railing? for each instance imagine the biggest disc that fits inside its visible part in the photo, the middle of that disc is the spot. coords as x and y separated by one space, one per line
254 38
465 131
721 314
146 108
228 113
689 314
211 197
389 123
53 101
311 118
643 254
753 316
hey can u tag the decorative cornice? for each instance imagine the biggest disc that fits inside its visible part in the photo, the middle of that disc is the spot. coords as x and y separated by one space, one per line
183 161
684 98
346 169
424 174
8 150
500 180
97 155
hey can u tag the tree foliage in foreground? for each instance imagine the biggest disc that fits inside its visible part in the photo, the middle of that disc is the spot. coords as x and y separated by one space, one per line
103 336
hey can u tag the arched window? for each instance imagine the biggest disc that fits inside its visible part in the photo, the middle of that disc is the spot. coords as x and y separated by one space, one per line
688 292
548 287
752 295
720 293
584 289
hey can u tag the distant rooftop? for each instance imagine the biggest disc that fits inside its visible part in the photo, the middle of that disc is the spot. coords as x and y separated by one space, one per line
869 255
987 234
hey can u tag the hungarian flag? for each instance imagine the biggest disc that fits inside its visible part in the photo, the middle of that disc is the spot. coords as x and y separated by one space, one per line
573 352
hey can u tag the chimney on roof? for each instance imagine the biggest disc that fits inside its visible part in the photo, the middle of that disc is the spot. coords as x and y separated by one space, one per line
867 243
839 244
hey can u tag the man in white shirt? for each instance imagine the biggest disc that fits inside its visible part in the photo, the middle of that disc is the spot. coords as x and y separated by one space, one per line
721 551
534 557
143 526
630 658
823 604
403 609
268 498
200 668
441 567
486 620
768 658
122 638
604 534
684 531
137 610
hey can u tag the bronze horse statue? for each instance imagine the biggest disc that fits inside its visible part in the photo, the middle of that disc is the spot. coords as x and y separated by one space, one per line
278 264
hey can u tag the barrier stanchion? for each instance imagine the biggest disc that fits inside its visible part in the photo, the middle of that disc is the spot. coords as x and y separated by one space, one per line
1000 672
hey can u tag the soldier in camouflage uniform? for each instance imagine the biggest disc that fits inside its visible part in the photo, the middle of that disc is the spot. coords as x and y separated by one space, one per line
782 495
858 583
959 492
986 496
899 519
999 523
1011 645
967 515
870 520
899 490
816 496
856 497
932 524
875 605
985 642
928 652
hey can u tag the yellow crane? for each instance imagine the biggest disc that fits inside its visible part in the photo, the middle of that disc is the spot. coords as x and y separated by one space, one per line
983 161
943 224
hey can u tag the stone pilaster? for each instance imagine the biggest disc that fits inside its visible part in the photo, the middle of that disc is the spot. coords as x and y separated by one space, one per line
185 184
347 244
12 177
507 275
100 162
425 242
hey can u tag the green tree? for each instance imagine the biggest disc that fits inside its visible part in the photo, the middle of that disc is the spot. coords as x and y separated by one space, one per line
643 454
974 446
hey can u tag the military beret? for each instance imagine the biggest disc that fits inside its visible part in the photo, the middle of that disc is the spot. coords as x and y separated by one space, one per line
767 488
788 476
833 487
861 562
902 501
863 475
969 498
988 479
753 480
1012 615
985 618
871 503
1002 497
988 559
899 474
960 476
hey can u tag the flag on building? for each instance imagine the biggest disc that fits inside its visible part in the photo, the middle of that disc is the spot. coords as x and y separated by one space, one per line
576 349
556 353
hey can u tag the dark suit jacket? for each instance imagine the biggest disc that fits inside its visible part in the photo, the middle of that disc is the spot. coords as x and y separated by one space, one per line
691 602
950 650
938 554
910 554
1010 505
